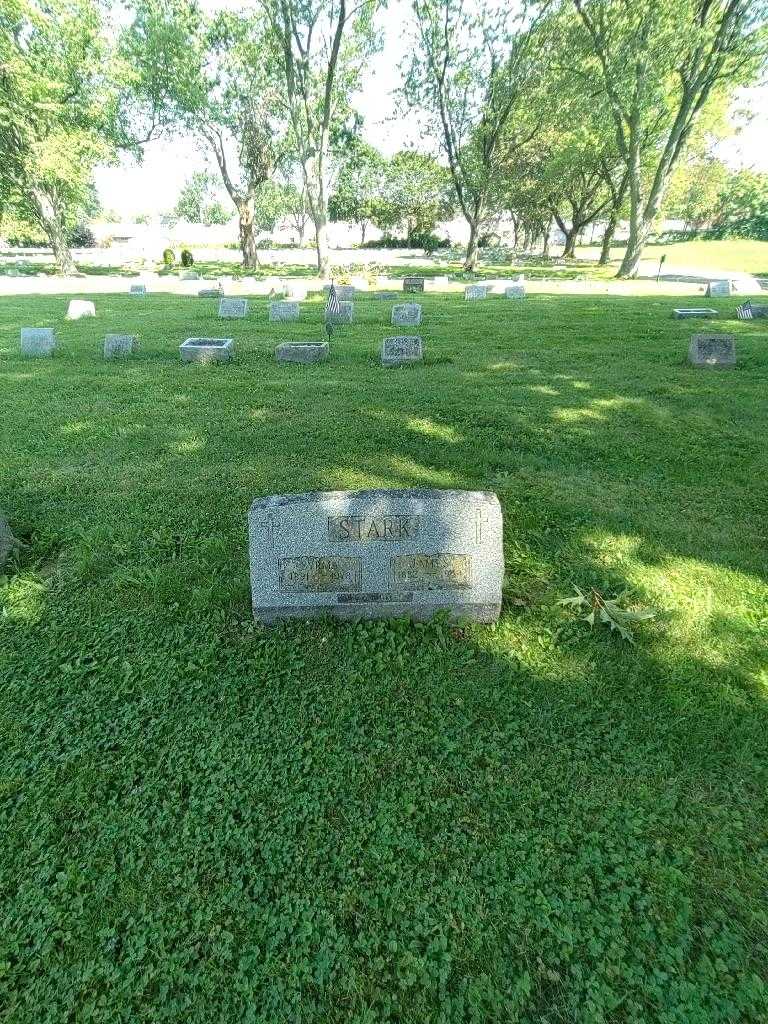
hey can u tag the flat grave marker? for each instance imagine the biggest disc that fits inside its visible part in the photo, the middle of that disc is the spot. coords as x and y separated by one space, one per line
715 350
407 314
116 345
377 554
694 313
406 348
302 352
279 311
207 350
233 309
37 341
79 308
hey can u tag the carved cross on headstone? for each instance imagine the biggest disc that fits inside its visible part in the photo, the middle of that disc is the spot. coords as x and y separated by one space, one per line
270 524
480 520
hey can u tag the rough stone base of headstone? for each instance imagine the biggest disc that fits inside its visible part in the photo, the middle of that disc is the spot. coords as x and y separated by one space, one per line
302 352
78 309
207 350
693 314
377 555
717 351
37 341
116 345
402 349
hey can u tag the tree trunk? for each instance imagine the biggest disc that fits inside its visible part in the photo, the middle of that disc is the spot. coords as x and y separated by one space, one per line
321 243
51 221
247 235
363 227
569 250
473 254
547 232
610 231
300 228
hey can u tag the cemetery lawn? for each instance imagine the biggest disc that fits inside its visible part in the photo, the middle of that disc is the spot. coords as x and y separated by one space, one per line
206 821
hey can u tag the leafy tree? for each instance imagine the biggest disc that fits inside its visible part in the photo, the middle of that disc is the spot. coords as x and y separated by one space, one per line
695 190
319 50
659 64
196 202
359 187
207 77
296 209
743 207
474 69
417 192
57 113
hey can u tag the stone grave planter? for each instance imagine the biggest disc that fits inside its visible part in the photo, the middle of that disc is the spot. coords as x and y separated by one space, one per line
402 349
207 350
693 314
279 311
713 350
37 341
377 554
408 314
302 352
116 345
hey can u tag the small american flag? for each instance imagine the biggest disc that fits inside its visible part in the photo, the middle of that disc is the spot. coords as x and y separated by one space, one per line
332 307
744 312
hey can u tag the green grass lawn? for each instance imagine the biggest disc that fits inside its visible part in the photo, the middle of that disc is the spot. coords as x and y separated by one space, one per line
734 254
206 821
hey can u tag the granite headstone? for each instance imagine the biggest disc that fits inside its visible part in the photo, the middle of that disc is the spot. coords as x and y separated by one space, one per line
283 311
118 345
407 314
473 292
344 316
37 341
233 309
377 554
715 350
413 284
406 348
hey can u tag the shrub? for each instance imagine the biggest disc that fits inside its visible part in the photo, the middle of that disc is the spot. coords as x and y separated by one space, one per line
428 241
187 259
169 257
81 237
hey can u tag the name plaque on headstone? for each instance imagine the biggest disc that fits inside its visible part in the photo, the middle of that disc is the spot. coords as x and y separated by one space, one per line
377 554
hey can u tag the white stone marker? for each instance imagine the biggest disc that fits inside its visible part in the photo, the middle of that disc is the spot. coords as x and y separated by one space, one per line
233 309
189 275
377 554
283 311
296 290
37 341
715 350
78 309
302 352
207 350
118 345
717 289
138 289
401 349
407 314
473 292
689 314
